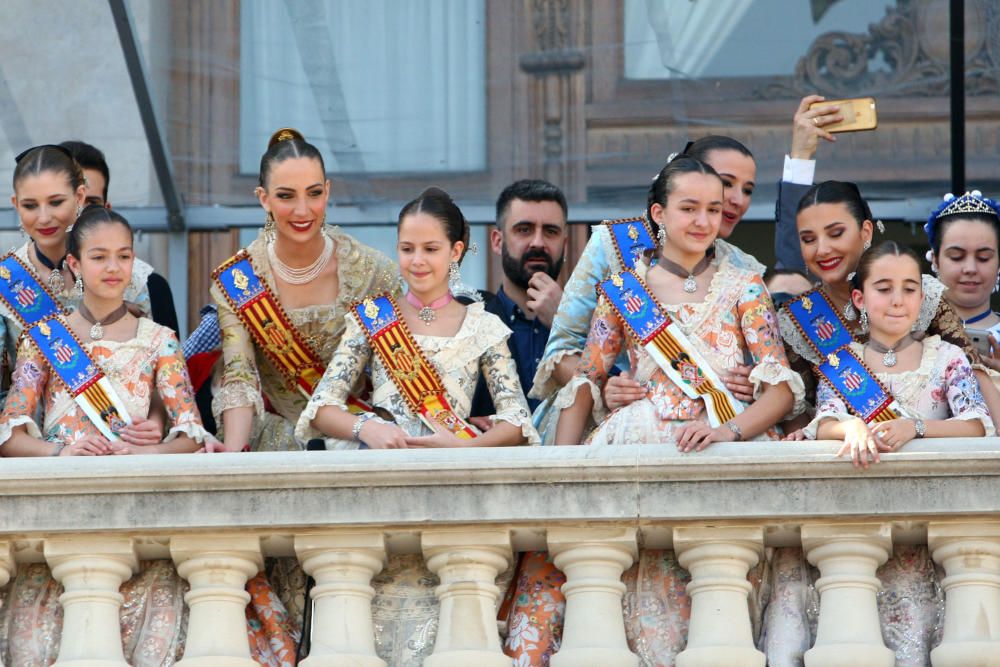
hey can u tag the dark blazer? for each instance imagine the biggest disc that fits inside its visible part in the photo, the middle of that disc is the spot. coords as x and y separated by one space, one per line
786 238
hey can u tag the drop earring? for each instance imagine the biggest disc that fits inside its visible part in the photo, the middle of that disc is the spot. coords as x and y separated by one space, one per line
661 236
78 286
269 226
868 244
864 320
996 285
454 276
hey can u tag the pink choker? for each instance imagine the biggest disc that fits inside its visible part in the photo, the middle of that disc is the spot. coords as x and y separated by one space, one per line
427 314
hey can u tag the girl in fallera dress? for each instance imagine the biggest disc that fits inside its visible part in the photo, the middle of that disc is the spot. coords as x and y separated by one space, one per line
137 356
458 344
725 313
936 394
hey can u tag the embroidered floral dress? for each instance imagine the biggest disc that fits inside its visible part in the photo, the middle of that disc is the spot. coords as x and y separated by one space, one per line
248 372
405 608
136 293
153 614
942 387
936 317
571 323
735 320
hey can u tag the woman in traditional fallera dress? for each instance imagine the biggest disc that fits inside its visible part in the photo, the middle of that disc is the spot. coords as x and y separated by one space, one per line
312 273
450 346
835 228
49 192
309 274
136 356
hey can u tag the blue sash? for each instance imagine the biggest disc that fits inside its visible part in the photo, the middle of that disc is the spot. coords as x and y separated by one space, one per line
649 323
857 386
27 298
83 378
631 238
819 322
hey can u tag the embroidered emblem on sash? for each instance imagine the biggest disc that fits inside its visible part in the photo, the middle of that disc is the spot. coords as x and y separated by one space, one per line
25 296
667 344
416 378
857 386
631 238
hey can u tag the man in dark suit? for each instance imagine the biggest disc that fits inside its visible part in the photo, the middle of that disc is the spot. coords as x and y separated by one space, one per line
530 238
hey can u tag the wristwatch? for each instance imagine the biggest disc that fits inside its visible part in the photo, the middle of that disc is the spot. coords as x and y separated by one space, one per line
919 427
737 431
356 429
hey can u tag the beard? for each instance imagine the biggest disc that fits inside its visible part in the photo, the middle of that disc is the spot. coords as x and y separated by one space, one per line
516 270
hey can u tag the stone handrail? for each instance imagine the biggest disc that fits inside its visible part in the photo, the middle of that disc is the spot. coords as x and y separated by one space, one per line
468 511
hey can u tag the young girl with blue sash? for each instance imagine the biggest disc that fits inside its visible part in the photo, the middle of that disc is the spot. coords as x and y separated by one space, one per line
929 383
618 245
89 374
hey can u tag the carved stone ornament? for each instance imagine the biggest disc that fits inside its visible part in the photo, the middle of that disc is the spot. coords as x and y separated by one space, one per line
551 21
905 54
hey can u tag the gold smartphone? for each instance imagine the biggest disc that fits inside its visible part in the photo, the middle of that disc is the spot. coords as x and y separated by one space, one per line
859 114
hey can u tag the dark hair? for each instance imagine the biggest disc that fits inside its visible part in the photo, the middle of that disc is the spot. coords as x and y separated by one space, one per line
439 204
53 158
837 192
529 189
284 144
883 249
663 184
700 148
90 157
92 216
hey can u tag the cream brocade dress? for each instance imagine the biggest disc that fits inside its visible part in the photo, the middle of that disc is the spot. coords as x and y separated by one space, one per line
248 372
405 608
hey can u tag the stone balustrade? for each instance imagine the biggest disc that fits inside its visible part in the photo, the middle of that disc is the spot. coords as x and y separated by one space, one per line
469 511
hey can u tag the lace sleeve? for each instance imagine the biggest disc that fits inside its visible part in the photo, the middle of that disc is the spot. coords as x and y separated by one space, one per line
572 321
346 366
174 387
965 401
500 374
949 326
240 385
31 375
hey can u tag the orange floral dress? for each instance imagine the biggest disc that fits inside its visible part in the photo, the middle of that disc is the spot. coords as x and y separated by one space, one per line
734 324
153 616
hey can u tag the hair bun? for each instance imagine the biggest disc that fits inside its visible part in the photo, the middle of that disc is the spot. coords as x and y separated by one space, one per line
284 134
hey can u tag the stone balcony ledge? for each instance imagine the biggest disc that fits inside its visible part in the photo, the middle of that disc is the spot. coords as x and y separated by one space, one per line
271 492
341 513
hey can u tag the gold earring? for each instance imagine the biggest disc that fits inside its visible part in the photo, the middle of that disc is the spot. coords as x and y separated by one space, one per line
269 226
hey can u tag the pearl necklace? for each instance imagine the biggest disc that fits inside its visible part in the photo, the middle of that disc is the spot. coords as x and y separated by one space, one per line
306 274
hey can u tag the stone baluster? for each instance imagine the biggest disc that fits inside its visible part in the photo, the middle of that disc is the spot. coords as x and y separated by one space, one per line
970 556
593 560
343 564
91 570
718 559
218 569
467 562
847 556
7 567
